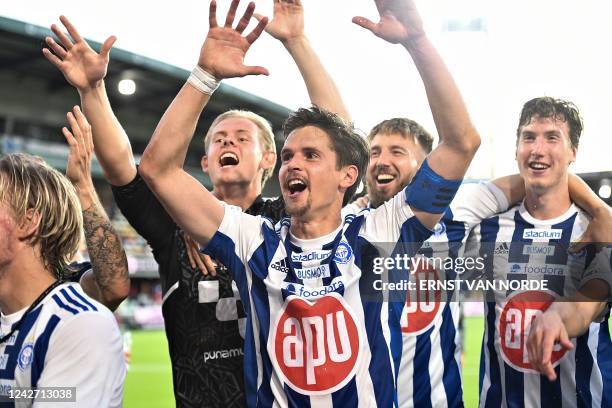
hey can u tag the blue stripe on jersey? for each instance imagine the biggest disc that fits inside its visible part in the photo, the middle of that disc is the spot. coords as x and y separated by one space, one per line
604 360
40 349
13 351
452 376
347 396
63 305
295 399
550 391
421 382
73 302
82 298
584 365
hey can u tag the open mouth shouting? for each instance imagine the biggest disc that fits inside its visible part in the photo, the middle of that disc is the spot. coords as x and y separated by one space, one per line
384 178
228 159
295 186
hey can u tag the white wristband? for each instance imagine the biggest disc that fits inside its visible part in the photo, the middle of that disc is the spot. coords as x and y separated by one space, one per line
203 81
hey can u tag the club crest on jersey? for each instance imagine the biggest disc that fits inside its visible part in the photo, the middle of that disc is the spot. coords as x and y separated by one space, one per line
514 322
316 345
26 355
343 253
439 229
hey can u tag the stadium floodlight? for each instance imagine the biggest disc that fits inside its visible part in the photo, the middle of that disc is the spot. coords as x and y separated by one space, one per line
605 189
126 87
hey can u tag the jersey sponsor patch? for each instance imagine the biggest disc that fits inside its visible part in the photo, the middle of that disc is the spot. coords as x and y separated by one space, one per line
316 345
280 266
514 322
310 256
541 233
314 272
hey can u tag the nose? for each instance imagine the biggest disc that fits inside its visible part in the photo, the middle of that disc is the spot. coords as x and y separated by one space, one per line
383 159
537 148
228 141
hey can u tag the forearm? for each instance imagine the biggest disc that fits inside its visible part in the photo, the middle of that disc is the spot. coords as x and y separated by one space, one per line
584 197
576 316
111 143
513 187
322 89
167 149
449 112
111 282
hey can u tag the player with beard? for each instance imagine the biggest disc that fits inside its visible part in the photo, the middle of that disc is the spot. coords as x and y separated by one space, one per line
398 146
302 281
203 314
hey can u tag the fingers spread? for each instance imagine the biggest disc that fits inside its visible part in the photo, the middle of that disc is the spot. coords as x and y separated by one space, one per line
52 58
231 14
57 49
254 35
71 30
108 44
244 21
63 38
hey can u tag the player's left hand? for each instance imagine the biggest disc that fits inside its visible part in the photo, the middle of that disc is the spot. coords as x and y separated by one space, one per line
546 330
399 22
78 169
224 49
287 23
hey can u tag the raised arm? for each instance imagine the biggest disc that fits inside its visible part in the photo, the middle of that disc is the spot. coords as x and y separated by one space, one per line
400 23
108 282
85 69
193 207
287 26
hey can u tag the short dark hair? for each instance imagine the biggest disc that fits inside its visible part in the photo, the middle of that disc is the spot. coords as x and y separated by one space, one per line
558 109
349 146
405 127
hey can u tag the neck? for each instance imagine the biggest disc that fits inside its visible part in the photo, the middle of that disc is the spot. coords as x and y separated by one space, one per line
240 195
21 282
313 226
545 205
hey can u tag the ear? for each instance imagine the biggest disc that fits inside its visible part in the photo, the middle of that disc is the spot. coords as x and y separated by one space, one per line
28 225
573 156
268 160
349 176
204 163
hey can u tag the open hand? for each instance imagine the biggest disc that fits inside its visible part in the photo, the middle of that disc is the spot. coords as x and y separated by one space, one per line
224 49
82 67
399 22
287 22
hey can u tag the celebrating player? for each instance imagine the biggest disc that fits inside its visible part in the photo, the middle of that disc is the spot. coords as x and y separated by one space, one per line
529 242
310 338
203 319
52 333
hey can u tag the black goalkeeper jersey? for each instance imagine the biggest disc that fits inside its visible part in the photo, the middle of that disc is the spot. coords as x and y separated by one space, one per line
204 317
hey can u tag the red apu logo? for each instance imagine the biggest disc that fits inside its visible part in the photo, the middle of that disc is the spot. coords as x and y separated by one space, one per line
422 306
316 345
514 322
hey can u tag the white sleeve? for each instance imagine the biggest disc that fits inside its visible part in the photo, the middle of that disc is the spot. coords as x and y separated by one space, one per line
238 236
385 223
475 202
87 353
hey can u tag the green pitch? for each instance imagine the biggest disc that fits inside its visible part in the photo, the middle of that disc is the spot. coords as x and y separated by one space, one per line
149 380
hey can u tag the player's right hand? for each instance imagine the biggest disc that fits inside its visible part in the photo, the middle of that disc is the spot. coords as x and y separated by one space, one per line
546 330
287 22
197 259
82 67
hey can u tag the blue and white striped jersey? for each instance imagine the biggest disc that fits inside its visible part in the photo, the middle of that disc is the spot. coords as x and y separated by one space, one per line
518 247
313 336
428 355
69 340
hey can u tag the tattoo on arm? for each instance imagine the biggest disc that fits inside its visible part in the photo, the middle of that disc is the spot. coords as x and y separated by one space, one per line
108 260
